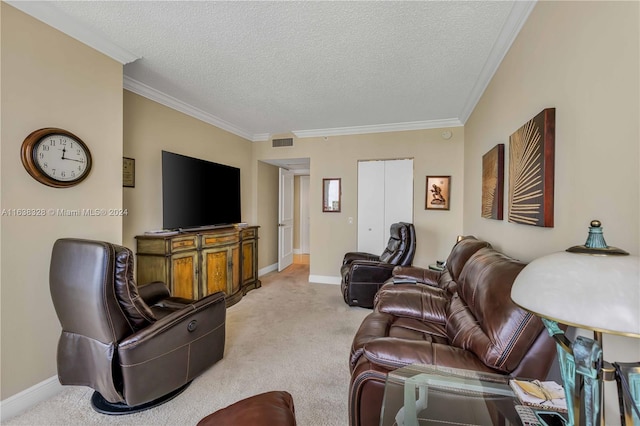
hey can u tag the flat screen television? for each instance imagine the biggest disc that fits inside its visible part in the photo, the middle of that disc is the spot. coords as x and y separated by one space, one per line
198 193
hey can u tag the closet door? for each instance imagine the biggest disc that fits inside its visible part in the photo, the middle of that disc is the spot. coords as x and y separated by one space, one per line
385 196
371 206
398 194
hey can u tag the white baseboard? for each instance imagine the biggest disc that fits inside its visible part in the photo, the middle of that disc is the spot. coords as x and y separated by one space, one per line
26 399
297 251
268 269
325 279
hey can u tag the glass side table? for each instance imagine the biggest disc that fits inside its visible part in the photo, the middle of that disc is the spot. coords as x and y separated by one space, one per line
428 395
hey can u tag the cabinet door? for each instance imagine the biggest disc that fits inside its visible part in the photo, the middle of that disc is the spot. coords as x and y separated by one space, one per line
215 265
249 273
235 269
184 279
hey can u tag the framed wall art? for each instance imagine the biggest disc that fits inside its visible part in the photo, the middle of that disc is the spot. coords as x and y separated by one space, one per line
438 193
531 171
493 183
128 172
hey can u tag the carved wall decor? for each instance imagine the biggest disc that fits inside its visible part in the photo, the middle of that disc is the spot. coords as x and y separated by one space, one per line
493 183
531 171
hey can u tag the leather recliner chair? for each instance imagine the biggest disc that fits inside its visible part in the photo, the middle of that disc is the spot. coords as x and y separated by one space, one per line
364 273
136 347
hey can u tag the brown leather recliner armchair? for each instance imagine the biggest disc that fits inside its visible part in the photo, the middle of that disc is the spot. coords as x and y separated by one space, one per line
364 273
136 347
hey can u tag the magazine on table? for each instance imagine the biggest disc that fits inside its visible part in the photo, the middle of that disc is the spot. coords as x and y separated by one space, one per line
548 395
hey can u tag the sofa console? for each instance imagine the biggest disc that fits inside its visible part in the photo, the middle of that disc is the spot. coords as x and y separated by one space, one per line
462 317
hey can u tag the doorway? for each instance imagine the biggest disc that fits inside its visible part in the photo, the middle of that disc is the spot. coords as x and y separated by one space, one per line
299 233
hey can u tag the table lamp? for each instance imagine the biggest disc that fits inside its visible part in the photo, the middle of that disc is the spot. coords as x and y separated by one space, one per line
593 287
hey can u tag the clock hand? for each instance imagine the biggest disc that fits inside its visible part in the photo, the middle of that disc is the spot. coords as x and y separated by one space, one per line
63 151
73 159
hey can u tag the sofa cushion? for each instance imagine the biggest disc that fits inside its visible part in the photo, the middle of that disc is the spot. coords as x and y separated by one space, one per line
482 317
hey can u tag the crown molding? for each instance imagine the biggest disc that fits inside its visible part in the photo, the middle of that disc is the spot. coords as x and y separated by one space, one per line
378 128
54 17
260 137
162 98
520 11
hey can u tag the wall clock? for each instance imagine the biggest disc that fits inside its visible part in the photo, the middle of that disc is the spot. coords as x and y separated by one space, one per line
56 157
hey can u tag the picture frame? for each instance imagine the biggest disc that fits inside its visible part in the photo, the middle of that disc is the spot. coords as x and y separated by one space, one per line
493 183
331 195
438 193
531 171
128 172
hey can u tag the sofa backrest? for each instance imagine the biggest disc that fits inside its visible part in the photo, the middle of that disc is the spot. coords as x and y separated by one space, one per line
397 245
482 317
460 254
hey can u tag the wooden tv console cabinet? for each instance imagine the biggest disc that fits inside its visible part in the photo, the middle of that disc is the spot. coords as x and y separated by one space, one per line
196 264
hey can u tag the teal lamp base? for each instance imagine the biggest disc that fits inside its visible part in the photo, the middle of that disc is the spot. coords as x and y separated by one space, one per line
580 365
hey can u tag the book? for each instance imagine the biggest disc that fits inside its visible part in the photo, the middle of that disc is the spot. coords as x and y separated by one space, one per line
548 395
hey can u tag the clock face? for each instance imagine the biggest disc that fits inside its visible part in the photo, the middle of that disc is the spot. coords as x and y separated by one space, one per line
61 157
56 157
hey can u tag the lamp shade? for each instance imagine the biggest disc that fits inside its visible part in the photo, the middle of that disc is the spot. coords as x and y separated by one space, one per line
600 293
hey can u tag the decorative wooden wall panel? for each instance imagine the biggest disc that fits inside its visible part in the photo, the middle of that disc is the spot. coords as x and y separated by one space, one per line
531 171
493 183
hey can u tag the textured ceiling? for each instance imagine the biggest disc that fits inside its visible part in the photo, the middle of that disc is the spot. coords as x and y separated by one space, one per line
312 68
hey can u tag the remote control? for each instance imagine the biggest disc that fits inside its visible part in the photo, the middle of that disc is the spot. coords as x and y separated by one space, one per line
527 416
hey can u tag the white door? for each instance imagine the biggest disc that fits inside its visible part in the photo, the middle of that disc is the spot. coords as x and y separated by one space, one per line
371 206
385 196
285 219
398 194
304 214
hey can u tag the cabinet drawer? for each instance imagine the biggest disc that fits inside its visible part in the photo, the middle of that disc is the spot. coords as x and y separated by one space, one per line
184 243
248 233
210 240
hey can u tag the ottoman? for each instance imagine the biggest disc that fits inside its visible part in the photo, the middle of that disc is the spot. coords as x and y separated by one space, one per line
273 408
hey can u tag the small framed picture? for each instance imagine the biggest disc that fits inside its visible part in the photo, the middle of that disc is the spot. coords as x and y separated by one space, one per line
128 172
438 193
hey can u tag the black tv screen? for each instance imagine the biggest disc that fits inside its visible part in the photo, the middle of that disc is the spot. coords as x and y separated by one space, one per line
198 193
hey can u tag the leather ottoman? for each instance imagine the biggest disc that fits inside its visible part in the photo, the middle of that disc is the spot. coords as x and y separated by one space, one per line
273 408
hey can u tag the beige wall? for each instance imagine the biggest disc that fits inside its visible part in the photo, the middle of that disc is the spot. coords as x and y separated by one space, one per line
49 80
581 58
331 234
268 185
150 128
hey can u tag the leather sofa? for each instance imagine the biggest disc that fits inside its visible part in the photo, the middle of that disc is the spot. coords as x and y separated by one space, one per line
462 317
364 273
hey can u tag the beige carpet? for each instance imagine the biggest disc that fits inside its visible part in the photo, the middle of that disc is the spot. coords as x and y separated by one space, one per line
288 335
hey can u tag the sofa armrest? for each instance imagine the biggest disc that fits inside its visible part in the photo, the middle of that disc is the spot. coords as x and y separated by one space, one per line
362 271
416 301
356 255
181 346
175 330
416 274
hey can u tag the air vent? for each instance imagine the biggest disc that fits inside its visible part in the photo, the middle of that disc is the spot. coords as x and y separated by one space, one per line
282 142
